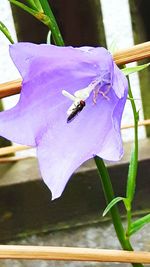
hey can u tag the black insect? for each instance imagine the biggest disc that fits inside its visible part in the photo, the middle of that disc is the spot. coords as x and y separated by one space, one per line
76 110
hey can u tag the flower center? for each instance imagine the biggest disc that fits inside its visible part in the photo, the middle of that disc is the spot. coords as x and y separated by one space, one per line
84 93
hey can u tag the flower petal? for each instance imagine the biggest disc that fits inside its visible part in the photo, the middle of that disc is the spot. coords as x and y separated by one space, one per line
64 147
119 82
41 112
15 125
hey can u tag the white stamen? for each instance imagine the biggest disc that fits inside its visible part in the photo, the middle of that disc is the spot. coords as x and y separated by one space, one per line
84 93
71 97
81 94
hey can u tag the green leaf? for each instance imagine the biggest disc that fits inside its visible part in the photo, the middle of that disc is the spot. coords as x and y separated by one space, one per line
111 204
138 224
131 176
38 5
31 4
132 171
6 32
130 70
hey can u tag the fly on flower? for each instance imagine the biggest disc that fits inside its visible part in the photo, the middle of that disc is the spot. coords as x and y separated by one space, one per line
76 110
78 102
86 75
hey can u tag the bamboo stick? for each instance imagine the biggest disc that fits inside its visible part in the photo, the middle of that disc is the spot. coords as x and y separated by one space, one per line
14 158
72 254
135 53
125 56
12 149
10 88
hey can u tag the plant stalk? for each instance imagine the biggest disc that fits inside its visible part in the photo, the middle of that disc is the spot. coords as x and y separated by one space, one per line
109 196
52 24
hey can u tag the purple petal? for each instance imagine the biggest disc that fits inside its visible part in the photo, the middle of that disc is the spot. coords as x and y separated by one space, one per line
41 112
119 82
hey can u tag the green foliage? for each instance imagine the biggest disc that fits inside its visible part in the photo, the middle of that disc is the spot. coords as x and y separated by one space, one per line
138 224
132 172
131 181
52 24
38 5
112 203
130 70
6 32
41 10
31 4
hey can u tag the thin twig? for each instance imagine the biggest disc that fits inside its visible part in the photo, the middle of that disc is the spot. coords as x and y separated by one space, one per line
71 254
125 56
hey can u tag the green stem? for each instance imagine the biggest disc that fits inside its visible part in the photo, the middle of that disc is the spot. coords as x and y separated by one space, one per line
129 217
132 173
47 18
134 157
52 24
25 8
109 196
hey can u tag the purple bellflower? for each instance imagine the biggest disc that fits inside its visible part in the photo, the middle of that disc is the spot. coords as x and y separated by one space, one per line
70 108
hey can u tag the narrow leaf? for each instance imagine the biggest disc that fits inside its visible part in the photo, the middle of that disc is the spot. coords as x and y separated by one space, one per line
6 32
31 4
138 224
130 70
111 204
132 171
131 176
38 5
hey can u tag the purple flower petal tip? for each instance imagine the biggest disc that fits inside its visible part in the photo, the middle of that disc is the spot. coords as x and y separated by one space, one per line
83 74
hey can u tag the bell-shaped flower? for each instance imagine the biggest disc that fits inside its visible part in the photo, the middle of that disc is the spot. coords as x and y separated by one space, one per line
70 108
